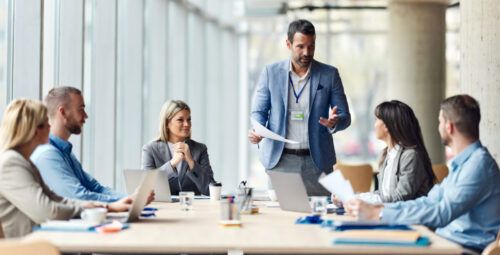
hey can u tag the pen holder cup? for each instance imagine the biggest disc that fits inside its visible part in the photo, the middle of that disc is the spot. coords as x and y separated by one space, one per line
229 209
245 200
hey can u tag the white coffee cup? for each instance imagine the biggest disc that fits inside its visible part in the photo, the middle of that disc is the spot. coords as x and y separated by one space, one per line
94 216
215 192
272 195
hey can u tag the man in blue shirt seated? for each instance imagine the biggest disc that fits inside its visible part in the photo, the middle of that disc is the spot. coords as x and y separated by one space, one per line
465 207
60 169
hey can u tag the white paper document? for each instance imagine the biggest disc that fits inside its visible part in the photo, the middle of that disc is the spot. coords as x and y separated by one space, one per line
68 225
264 132
338 185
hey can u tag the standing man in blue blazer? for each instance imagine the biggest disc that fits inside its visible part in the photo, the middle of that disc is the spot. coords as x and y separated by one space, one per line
302 100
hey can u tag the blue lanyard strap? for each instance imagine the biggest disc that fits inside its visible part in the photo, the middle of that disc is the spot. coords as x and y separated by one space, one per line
297 96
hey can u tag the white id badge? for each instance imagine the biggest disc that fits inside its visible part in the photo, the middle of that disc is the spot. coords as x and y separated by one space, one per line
297 115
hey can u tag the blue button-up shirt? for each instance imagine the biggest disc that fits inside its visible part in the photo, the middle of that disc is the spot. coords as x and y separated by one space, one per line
464 208
63 173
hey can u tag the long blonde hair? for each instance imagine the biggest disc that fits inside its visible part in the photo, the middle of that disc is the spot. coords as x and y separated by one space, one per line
20 121
168 110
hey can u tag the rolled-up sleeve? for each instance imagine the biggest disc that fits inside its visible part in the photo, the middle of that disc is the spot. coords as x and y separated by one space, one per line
62 179
442 205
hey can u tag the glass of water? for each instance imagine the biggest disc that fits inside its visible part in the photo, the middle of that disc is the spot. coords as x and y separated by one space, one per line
186 200
318 205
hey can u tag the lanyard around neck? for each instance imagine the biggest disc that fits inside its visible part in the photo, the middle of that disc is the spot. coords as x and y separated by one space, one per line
297 96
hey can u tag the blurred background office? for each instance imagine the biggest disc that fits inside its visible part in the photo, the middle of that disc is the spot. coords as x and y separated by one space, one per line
130 56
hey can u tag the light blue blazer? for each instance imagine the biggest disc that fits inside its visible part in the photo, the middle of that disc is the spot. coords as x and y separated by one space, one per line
270 108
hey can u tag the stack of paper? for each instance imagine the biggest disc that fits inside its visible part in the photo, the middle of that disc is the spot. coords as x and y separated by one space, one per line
266 133
373 234
64 225
338 185
380 237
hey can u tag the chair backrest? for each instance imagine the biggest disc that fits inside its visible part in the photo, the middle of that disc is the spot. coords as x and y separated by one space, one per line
441 171
1 231
493 248
360 176
17 247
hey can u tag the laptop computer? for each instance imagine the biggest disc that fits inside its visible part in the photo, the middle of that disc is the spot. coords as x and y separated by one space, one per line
290 191
161 186
146 184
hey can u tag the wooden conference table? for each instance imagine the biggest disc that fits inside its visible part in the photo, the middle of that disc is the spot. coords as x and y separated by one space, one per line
272 231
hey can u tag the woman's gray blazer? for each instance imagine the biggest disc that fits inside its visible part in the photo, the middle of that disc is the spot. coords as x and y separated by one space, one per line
156 154
411 179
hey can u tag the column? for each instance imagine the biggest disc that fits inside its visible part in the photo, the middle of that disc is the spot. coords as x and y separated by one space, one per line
480 64
416 71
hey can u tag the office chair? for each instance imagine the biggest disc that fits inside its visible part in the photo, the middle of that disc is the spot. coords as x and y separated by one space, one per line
360 176
440 171
2 236
18 247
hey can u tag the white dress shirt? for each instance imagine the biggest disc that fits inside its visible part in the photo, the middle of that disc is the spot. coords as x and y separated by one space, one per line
385 187
297 130
389 169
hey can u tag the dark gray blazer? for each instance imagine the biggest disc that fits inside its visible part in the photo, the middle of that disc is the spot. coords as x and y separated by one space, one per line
411 180
156 154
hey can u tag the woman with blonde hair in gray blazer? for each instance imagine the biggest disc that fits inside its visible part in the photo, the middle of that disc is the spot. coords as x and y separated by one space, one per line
185 160
25 200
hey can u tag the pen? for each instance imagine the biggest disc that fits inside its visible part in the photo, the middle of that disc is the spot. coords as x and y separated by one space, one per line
229 202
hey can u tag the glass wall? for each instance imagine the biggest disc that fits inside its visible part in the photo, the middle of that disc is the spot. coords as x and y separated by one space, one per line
128 57
4 42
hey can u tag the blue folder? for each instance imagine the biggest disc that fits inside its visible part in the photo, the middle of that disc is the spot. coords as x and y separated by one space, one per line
421 242
371 227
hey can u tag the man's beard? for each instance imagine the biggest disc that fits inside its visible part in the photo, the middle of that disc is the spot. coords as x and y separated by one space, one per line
302 62
445 141
74 128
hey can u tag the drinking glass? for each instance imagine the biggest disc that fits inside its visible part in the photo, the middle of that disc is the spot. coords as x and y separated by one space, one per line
318 205
186 200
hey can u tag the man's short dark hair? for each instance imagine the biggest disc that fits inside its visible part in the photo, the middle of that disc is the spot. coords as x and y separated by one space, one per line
300 26
59 96
464 112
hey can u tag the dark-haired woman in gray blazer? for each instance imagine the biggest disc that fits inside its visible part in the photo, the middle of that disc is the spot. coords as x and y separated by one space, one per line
405 170
185 161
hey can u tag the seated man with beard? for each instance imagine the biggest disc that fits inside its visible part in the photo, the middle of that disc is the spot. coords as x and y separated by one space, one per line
60 169
464 207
